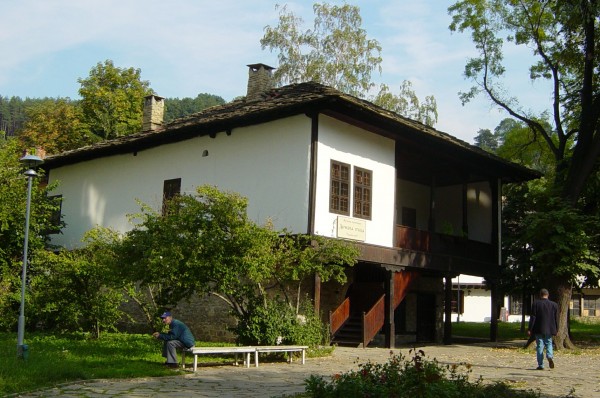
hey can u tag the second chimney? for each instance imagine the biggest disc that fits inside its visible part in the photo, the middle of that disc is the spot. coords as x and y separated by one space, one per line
154 110
259 81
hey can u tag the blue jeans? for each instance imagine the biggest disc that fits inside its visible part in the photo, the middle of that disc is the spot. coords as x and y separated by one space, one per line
541 341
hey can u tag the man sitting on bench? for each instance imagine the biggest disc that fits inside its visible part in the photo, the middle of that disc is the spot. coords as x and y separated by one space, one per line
179 336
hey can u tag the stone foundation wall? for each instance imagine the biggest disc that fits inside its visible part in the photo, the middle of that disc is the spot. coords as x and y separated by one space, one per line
209 318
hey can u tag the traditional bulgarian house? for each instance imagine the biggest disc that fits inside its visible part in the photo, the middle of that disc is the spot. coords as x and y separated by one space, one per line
422 205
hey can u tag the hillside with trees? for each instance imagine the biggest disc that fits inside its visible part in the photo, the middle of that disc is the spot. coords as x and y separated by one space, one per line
111 105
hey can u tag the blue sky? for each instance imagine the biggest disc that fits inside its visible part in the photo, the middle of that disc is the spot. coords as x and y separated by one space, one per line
187 47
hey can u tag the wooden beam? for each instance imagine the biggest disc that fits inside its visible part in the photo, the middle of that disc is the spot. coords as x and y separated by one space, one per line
448 309
389 326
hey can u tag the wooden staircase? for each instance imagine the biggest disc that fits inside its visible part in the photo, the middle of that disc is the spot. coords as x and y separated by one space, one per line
351 332
355 329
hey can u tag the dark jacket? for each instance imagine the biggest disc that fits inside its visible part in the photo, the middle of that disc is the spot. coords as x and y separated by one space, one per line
544 317
179 331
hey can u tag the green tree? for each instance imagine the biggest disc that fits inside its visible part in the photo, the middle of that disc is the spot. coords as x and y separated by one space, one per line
56 126
407 104
112 100
563 36
521 145
205 244
337 52
486 140
180 107
75 290
13 191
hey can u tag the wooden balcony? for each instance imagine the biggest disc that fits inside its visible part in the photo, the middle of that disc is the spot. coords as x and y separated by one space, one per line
449 246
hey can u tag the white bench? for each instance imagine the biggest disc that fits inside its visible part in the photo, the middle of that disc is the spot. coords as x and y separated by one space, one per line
289 349
195 351
247 351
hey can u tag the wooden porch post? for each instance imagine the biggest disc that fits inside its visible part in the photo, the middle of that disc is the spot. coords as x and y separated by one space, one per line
495 186
389 325
448 310
431 225
317 295
465 207
494 312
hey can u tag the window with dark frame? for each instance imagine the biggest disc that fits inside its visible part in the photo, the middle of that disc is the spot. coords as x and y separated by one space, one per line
458 301
362 193
339 194
409 217
171 188
576 308
515 305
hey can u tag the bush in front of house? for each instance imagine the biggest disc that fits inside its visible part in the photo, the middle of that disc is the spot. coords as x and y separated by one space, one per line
416 377
274 322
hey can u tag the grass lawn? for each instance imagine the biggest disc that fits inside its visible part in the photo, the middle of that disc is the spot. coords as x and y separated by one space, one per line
584 332
55 359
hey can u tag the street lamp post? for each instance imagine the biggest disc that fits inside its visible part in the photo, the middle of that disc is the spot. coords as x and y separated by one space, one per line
31 162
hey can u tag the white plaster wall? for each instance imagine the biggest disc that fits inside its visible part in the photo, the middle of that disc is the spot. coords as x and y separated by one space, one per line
268 163
479 211
448 213
468 279
477 306
448 210
357 147
415 196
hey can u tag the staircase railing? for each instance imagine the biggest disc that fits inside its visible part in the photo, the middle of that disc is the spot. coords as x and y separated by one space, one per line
339 316
401 282
373 320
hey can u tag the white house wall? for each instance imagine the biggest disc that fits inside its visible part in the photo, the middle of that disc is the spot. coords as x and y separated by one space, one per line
448 211
479 211
268 163
477 306
415 196
345 143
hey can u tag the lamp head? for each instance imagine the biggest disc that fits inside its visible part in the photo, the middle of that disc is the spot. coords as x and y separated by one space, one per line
31 161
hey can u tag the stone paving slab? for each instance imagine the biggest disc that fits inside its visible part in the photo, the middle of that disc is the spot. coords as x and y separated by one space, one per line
492 362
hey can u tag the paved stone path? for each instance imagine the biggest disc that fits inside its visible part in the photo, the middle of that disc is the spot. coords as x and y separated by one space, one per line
492 362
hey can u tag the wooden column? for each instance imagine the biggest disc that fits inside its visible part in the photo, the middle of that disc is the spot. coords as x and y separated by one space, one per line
389 323
496 188
465 211
494 312
448 310
314 139
317 295
431 225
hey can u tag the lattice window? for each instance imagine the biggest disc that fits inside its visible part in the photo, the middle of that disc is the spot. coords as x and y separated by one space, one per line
362 193
339 195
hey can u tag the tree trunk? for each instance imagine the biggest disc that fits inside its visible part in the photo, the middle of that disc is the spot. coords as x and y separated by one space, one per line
560 291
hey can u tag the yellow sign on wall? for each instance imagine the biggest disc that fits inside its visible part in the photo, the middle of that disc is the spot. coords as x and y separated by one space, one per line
351 228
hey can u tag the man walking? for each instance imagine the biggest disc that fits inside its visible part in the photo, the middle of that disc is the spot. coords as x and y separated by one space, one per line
543 325
179 336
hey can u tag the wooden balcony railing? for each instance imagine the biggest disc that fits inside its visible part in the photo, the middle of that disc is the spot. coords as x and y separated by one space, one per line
450 245
373 320
402 281
412 239
339 316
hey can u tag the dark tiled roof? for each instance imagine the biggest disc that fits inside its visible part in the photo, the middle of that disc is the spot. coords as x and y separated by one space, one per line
278 103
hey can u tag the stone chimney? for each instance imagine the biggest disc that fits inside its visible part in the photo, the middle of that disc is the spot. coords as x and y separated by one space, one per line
154 110
259 81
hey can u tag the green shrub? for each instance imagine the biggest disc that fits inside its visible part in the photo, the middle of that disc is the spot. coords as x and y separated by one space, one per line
275 323
415 378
